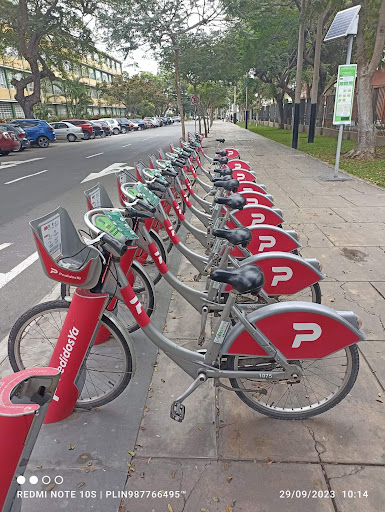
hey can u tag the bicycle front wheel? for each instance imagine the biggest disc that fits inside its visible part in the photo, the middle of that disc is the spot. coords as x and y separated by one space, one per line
324 383
105 373
143 289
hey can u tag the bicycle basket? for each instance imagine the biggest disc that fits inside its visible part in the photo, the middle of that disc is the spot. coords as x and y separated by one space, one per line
64 256
97 197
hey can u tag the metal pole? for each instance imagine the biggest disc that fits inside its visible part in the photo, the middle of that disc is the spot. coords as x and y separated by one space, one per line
247 112
195 118
341 127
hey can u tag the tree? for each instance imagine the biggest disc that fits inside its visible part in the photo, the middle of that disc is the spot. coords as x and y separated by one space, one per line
76 95
141 94
370 50
158 24
47 34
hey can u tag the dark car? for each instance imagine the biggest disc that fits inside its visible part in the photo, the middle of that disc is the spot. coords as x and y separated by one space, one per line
87 128
19 133
98 128
106 127
137 124
8 142
38 132
166 120
125 125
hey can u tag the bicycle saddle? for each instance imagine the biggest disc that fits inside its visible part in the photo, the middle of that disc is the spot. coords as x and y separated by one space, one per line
222 178
247 279
224 172
229 185
234 202
237 236
221 152
222 160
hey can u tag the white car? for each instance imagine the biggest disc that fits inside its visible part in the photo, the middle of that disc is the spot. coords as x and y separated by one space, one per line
113 124
176 119
64 130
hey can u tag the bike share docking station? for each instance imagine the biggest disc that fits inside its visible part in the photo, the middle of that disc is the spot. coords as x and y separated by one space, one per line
24 400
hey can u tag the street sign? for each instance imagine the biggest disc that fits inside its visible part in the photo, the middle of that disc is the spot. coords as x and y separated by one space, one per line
195 99
343 105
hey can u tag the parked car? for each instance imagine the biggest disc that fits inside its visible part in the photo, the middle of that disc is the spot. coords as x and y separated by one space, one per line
124 123
166 120
155 122
20 135
39 132
114 125
149 122
98 129
106 127
67 131
8 142
138 124
87 128
176 119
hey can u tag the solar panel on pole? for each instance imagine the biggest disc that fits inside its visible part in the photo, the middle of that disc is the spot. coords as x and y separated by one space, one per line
344 24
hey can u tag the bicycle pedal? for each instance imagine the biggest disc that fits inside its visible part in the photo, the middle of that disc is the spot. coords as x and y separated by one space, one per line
177 412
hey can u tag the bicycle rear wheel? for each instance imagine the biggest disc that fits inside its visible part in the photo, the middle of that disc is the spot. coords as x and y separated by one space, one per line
324 383
107 369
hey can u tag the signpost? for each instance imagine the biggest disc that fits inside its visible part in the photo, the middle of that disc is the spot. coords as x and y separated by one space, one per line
344 25
195 100
343 105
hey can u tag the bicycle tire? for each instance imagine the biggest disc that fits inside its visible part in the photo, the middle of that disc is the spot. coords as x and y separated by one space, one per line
25 324
124 315
353 367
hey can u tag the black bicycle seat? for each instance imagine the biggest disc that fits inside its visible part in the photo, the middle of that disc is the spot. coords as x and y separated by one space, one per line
237 236
247 279
234 202
222 160
220 140
224 172
222 178
229 185
221 152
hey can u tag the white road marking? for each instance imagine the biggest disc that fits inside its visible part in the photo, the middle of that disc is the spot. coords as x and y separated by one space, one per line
126 145
24 177
108 170
13 163
146 138
4 246
97 154
7 277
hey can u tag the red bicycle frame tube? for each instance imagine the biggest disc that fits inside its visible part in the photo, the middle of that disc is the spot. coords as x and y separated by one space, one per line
79 329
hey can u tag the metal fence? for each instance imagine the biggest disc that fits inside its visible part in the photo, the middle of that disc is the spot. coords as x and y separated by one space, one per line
325 111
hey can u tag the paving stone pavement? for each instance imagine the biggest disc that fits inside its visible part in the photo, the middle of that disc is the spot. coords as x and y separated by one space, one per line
227 457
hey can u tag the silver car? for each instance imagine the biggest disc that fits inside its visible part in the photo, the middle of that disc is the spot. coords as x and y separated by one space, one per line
113 124
64 130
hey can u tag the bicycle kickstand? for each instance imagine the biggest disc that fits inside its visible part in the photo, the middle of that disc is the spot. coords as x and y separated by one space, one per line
178 410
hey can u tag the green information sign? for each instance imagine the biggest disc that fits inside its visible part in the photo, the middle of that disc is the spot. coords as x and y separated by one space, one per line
343 105
115 225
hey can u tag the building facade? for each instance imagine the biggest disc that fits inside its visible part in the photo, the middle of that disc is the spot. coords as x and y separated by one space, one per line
92 72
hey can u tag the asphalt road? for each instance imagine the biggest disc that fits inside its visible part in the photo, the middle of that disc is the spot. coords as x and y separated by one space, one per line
50 178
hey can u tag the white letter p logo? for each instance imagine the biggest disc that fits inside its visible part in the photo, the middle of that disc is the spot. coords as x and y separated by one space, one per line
309 336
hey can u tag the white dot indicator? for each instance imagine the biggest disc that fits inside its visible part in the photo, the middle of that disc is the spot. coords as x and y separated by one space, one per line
20 479
33 480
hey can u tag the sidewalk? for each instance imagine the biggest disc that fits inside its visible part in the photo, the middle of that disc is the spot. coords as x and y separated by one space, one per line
227 457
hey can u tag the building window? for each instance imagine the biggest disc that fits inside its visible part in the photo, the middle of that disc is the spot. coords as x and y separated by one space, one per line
19 112
6 111
98 75
105 77
56 89
91 73
3 81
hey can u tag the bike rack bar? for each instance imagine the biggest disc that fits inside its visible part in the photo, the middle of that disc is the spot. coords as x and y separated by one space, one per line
24 400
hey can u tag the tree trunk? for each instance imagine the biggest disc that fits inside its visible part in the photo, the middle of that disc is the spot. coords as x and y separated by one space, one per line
366 143
204 121
177 88
279 100
211 117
